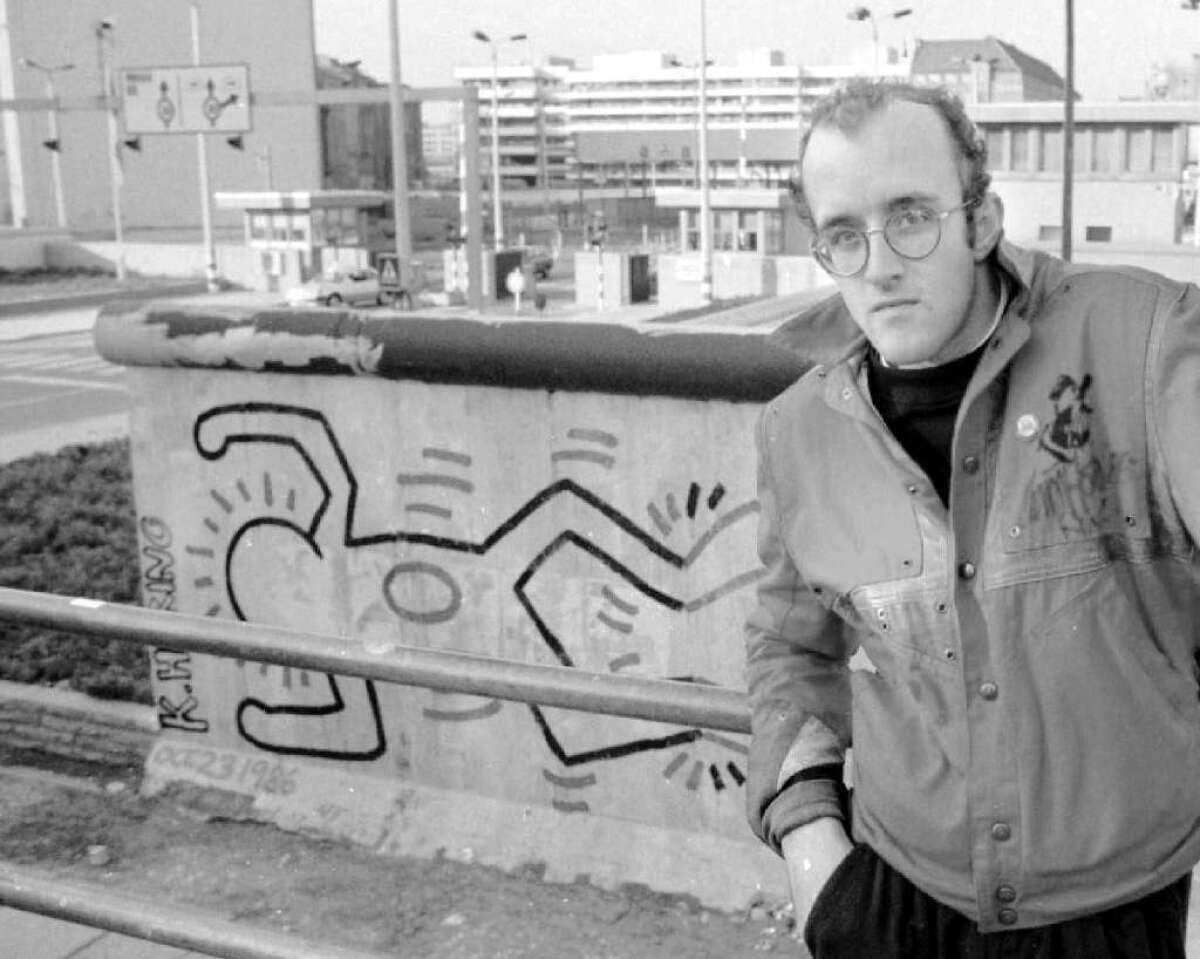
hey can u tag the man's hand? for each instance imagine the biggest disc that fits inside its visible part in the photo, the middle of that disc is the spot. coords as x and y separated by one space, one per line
812 852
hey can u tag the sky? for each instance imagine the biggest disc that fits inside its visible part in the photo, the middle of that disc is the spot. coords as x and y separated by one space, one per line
1117 41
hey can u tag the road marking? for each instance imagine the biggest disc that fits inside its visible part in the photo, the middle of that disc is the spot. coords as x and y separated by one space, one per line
78 385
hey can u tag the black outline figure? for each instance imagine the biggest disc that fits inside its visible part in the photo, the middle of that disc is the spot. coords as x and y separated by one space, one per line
324 459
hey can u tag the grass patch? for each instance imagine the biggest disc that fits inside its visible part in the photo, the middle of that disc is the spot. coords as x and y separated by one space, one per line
67 526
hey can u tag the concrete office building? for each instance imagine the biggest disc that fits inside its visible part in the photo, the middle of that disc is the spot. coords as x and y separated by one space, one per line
314 121
160 180
534 146
632 121
1135 170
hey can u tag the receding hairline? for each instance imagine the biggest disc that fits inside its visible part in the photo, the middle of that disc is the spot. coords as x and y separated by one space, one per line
850 108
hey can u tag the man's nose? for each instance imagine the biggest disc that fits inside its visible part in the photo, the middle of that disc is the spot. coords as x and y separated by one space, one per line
883 263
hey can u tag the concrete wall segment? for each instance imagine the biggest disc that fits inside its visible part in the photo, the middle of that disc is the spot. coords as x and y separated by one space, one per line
565 496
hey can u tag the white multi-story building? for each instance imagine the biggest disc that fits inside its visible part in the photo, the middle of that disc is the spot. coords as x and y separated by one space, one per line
532 135
636 117
633 121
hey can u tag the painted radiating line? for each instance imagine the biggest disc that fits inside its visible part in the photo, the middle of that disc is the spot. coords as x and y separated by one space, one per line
435 479
592 436
448 456
583 456
629 609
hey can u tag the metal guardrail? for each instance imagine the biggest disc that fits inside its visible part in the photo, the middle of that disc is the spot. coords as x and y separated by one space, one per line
92 905
679 703
684 704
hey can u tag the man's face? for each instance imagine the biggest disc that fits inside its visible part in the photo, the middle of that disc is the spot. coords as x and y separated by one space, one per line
914 312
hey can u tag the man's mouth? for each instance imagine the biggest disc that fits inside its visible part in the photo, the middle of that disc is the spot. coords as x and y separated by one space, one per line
892 304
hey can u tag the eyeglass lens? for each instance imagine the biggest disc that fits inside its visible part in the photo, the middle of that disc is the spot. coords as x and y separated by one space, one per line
912 233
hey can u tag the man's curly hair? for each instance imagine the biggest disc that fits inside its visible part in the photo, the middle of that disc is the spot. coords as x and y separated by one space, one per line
848 107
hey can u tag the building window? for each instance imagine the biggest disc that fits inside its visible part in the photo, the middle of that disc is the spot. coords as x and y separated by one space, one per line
1098 234
773 241
1083 143
1161 150
1137 150
1022 153
994 137
1104 146
260 224
1050 233
1050 157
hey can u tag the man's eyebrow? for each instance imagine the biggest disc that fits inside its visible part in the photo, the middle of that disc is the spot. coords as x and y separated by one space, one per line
909 199
842 219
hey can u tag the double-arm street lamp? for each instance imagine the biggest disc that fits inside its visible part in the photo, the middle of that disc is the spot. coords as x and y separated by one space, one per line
497 210
864 13
53 144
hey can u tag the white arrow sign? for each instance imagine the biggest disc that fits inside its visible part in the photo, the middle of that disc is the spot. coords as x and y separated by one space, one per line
204 99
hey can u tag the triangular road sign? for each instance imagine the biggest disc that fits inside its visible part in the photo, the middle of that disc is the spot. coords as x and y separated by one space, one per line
387 272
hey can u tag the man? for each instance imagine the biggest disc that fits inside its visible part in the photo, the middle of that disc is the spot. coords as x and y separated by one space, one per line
986 492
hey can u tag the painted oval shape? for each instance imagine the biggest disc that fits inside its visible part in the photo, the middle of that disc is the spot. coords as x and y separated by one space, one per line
412 592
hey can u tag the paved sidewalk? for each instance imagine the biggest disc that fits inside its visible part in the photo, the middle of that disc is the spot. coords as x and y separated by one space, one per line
27 935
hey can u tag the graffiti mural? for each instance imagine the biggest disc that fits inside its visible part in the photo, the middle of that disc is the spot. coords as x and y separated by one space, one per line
586 579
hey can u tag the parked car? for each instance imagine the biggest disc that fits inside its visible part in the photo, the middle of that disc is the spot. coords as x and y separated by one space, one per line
352 287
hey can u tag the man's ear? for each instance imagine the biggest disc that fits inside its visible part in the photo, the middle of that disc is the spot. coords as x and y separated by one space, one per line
989 225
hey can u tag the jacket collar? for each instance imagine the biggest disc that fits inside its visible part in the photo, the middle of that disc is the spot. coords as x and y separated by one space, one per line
825 333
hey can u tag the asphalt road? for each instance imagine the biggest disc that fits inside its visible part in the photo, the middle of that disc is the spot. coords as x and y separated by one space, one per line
54 388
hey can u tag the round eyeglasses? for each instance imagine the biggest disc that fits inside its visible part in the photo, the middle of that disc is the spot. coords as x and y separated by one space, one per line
912 232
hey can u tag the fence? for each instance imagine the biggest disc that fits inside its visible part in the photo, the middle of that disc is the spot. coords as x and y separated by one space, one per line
571 688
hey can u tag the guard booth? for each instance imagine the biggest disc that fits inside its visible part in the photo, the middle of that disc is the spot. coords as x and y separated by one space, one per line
303 233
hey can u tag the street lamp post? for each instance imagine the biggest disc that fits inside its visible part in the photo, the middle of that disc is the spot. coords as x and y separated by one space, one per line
497 209
60 204
864 13
103 29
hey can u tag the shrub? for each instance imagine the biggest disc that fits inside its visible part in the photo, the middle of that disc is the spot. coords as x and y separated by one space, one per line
67 526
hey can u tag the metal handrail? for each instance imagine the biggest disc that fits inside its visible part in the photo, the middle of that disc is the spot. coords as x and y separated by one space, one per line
92 905
709 707
682 703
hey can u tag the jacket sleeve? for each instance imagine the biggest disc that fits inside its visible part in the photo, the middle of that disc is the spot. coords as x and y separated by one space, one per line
798 679
1175 402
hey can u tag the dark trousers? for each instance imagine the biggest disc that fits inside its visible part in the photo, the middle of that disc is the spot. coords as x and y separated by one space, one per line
869 911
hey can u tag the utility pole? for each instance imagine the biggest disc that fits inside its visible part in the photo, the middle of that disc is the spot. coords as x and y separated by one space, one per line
400 213
210 247
116 177
705 208
1068 182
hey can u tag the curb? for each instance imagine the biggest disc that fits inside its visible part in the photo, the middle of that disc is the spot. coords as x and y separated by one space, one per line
71 724
97 297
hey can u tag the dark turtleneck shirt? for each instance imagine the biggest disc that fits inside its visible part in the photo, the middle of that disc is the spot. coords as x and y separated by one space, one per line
919 406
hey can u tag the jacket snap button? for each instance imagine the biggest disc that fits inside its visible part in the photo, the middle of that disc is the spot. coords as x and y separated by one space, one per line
1027 426
847 393
1007 917
989 691
1006 894
966 570
971 464
1001 831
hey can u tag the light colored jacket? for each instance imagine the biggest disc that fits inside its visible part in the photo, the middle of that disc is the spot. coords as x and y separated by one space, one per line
1023 705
